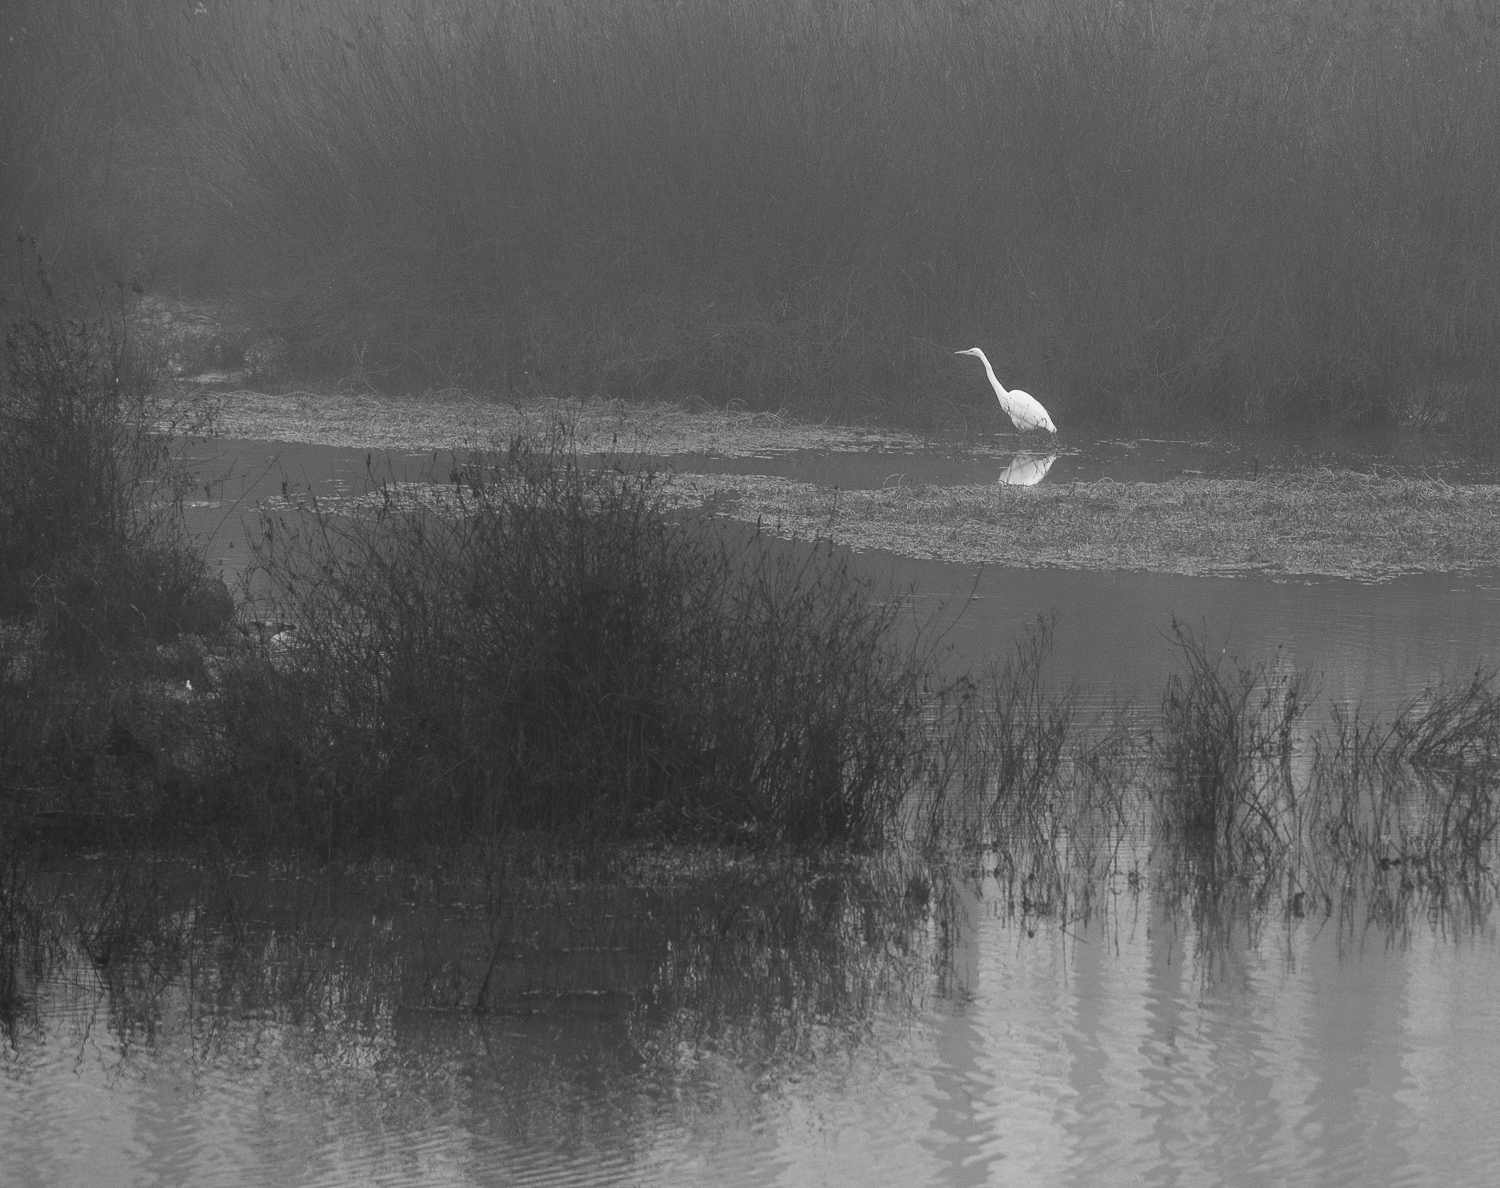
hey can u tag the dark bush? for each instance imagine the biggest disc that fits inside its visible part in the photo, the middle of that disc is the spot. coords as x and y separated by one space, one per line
538 646
89 493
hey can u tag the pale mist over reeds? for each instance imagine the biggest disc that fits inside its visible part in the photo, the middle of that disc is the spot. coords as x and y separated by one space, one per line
1254 213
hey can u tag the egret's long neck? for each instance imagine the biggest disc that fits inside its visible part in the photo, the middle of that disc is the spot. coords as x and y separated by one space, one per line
990 371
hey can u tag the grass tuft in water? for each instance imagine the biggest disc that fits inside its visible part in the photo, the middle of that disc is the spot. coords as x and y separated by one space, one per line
1000 744
1413 805
1224 751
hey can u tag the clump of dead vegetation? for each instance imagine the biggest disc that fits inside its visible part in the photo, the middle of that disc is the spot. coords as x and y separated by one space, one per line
1335 523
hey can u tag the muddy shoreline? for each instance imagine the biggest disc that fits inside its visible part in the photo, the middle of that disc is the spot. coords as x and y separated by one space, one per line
1314 522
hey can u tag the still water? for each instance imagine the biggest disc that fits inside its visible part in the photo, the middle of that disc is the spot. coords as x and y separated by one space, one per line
1148 1044
1375 645
1136 1050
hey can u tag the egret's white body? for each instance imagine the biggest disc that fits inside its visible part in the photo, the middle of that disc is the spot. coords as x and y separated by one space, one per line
1025 411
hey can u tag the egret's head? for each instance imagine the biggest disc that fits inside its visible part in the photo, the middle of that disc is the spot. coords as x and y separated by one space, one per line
971 351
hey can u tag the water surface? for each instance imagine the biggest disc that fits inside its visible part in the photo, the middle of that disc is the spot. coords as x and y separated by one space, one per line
1145 1047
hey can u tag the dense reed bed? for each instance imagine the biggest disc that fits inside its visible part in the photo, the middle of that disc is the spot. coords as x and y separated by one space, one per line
1248 213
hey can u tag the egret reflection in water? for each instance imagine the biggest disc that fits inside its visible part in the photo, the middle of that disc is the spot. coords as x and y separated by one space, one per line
1026 470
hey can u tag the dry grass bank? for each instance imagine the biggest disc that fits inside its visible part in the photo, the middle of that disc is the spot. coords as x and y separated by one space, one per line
1316 522
1337 524
455 419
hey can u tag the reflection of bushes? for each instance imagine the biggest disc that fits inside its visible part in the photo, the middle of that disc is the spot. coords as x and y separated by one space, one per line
547 651
650 947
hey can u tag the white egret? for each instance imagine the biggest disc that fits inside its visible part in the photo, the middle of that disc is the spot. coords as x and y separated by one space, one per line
1025 411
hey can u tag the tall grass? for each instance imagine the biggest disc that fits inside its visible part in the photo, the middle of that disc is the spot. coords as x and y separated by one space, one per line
1000 745
1249 212
1225 750
1415 800
1226 804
